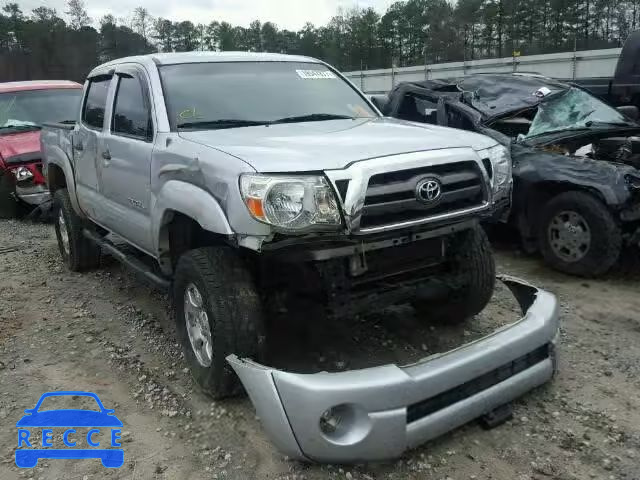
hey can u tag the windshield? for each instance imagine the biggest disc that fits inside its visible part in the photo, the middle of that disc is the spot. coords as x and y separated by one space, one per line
573 110
227 95
28 109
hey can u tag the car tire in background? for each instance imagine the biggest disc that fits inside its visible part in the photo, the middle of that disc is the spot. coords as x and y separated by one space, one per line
78 252
472 280
578 235
8 203
218 311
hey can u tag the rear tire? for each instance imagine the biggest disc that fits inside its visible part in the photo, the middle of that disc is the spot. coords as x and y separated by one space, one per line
594 225
474 274
213 288
8 203
78 252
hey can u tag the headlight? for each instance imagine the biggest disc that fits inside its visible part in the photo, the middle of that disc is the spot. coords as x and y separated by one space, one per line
290 202
22 174
500 165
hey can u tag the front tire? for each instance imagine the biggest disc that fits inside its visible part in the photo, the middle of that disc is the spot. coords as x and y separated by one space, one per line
578 235
473 275
77 251
217 312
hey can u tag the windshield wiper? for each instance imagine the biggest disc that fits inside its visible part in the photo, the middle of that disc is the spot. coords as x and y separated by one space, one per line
223 123
313 117
20 127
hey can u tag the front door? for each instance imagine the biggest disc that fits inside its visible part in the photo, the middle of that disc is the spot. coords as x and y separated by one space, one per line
125 156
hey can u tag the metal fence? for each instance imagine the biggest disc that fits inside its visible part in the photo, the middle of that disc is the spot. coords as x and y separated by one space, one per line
565 65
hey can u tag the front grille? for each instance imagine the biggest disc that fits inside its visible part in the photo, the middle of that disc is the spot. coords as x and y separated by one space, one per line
473 387
391 197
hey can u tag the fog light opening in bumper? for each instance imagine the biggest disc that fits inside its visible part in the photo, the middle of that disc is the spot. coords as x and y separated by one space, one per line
345 424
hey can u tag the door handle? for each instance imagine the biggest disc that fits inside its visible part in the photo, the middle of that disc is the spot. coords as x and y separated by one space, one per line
78 146
106 155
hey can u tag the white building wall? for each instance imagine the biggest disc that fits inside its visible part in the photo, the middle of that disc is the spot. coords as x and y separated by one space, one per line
565 65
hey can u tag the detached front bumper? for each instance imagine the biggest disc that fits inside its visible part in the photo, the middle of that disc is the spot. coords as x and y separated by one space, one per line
378 413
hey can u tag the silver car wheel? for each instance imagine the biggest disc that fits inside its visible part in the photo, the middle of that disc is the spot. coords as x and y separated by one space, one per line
569 236
64 234
197 324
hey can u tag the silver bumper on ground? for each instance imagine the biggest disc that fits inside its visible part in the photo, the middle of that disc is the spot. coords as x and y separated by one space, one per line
377 413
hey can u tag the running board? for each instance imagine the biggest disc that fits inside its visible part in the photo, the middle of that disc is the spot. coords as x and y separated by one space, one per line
129 261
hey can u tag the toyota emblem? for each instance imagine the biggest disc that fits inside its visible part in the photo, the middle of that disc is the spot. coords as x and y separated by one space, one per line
429 190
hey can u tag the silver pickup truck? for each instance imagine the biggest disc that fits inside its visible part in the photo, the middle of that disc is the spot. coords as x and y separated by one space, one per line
239 179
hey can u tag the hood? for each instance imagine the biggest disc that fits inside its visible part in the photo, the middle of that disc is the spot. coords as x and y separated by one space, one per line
334 144
18 144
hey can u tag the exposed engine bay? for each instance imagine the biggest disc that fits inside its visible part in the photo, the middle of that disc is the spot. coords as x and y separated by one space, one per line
571 123
612 149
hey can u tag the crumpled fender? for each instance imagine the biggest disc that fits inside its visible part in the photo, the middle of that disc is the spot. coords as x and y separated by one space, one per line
533 166
189 200
53 154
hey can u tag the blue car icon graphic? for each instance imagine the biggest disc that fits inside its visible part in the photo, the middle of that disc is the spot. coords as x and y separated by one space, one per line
69 418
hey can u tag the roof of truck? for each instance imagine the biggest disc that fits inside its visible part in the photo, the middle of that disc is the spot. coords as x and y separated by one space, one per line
203 57
492 94
37 85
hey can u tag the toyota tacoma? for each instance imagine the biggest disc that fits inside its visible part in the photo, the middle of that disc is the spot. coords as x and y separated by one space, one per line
237 178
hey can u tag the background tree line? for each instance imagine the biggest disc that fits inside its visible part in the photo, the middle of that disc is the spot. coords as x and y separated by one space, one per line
45 44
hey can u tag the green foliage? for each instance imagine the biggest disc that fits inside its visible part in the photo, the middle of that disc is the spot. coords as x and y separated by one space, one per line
410 32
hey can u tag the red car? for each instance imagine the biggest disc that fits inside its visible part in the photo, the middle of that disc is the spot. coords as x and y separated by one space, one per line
24 106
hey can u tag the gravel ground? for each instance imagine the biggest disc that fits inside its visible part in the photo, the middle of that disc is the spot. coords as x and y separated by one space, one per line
105 332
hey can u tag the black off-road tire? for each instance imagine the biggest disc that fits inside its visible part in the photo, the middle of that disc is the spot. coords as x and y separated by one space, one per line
8 203
606 236
473 276
83 254
234 311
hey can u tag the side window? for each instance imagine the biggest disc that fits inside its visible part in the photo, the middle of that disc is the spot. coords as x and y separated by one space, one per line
418 109
96 101
131 113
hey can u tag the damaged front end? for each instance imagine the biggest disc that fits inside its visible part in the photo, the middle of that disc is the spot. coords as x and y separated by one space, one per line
378 413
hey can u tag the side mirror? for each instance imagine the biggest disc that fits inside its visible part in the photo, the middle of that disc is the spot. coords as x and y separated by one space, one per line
381 102
630 111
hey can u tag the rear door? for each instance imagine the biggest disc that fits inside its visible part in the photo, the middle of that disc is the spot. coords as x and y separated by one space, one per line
86 139
126 158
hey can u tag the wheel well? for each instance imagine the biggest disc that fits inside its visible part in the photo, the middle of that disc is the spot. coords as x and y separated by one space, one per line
55 178
180 234
537 198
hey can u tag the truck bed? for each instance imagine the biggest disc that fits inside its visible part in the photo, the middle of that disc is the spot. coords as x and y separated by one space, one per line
56 135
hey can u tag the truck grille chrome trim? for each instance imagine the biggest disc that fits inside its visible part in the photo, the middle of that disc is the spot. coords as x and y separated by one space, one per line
380 194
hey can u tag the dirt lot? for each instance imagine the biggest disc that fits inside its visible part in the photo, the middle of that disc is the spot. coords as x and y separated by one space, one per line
105 332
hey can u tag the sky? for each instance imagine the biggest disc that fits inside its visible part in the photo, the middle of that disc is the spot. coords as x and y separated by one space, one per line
289 14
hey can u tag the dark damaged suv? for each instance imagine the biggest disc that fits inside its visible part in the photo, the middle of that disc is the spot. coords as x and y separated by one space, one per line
576 159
